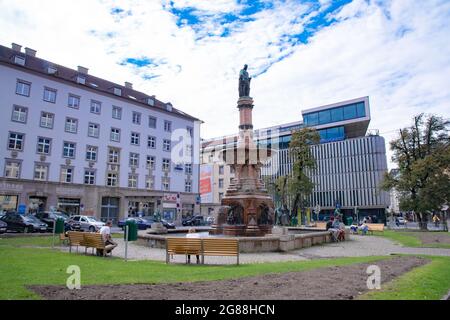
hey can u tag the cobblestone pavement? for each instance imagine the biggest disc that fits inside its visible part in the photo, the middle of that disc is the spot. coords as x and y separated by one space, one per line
357 246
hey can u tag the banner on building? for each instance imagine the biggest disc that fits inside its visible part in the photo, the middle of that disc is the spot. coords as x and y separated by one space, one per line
206 183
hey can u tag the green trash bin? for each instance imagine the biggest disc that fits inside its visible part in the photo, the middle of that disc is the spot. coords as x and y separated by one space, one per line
349 221
59 226
132 230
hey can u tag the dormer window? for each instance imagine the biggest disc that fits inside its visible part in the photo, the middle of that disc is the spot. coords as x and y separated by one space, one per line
151 101
52 70
169 107
81 80
19 60
117 91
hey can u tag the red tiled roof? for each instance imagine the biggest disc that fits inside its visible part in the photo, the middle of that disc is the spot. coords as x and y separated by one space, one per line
38 65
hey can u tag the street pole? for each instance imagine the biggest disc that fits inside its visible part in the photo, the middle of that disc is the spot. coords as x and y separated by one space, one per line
53 238
126 242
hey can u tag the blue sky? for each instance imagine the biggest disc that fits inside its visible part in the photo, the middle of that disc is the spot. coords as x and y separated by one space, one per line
302 54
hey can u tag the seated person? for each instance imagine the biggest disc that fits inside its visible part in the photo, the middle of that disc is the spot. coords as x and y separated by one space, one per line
334 228
105 231
364 228
192 234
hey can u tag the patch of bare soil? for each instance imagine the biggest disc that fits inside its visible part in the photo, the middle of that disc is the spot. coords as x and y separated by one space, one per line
433 237
340 283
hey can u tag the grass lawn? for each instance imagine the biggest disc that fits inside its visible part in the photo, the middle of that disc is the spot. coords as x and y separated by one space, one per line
21 266
429 282
411 239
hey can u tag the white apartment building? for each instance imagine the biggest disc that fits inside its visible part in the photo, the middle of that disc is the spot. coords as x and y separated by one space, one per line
76 142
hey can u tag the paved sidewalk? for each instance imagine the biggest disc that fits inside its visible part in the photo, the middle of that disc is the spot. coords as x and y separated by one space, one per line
357 246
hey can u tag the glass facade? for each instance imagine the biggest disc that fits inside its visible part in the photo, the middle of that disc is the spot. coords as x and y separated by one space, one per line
332 134
347 112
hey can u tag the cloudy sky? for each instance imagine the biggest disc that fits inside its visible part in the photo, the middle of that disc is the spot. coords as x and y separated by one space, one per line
301 54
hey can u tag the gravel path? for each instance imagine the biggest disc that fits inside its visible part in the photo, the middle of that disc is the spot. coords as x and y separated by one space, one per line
357 246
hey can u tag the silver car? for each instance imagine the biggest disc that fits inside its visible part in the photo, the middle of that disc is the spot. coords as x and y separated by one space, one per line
87 223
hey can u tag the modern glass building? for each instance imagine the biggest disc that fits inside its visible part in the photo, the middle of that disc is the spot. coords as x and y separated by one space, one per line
350 160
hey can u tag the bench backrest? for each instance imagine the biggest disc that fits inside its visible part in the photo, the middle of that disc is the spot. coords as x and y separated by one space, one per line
184 245
321 225
220 247
75 237
93 240
375 226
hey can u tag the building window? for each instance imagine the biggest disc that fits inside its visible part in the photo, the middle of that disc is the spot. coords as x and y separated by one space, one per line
190 131
117 91
188 168
50 95
221 170
166 165
69 149
66 175
12 169
232 170
89 177
132 181
115 135
23 88
149 182
165 183
150 163
19 114
41 172
43 145
113 156
74 101
94 130
151 142
81 80
188 186
189 150
117 112
91 153
111 180
135 138
96 107
167 126
134 159
47 120
152 122
19 60
166 145
71 125
221 183
136 118
16 141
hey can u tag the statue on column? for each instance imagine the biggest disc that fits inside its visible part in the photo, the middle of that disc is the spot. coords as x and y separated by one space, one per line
244 82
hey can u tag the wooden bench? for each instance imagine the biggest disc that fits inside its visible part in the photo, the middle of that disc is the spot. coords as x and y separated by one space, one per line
94 241
202 246
76 238
375 227
186 246
220 247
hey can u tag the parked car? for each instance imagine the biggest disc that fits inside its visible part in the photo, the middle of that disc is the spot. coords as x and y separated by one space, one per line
141 223
193 221
86 223
50 217
167 224
400 220
3 226
24 223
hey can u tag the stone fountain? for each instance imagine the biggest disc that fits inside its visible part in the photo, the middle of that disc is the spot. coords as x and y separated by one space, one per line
247 209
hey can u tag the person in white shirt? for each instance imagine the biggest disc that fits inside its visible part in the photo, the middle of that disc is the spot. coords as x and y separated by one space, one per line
105 231
193 234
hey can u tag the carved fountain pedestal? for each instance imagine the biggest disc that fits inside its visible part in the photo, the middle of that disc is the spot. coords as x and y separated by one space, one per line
248 209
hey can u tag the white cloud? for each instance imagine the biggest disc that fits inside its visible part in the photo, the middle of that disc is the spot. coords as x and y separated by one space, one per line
397 53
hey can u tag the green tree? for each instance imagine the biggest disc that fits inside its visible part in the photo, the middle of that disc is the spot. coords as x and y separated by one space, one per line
422 154
299 185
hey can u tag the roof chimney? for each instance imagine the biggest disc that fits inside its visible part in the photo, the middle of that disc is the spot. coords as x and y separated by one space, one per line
16 47
128 85
83 70
30 52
